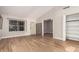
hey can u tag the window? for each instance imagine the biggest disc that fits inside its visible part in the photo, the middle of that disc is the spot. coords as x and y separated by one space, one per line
15 25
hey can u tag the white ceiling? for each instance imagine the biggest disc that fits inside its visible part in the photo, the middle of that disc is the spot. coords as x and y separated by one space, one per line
32 12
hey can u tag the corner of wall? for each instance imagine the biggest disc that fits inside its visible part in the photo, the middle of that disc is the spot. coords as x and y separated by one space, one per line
59 38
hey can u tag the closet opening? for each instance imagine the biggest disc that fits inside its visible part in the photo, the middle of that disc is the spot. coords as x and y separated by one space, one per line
1 26
39 29
48 27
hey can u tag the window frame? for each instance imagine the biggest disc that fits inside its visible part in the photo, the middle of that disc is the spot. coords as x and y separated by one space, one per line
18 26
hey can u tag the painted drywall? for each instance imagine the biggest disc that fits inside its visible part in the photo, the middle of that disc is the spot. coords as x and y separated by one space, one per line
58 16
5 29
58 25
33 28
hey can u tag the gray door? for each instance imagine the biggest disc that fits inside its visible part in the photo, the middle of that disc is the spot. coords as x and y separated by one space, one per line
48 27
1 22
39 28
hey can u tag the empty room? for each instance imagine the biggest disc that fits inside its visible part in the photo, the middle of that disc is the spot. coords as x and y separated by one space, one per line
39 28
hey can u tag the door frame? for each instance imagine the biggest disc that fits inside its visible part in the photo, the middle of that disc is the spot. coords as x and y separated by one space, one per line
43 26
41 29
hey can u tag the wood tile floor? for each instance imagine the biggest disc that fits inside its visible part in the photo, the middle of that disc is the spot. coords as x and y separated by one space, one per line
37 44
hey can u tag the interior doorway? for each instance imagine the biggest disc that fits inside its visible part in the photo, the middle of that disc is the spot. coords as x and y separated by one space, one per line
1 26
48 27
39 29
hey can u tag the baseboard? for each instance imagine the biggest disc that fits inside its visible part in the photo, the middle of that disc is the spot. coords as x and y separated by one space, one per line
74 39
33 35
14 36
30 35
58 38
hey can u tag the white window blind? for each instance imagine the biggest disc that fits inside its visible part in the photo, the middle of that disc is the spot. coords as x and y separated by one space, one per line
72 27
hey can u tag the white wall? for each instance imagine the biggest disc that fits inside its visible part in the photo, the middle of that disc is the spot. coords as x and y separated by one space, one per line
58 16
58 25
33 28
5 30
